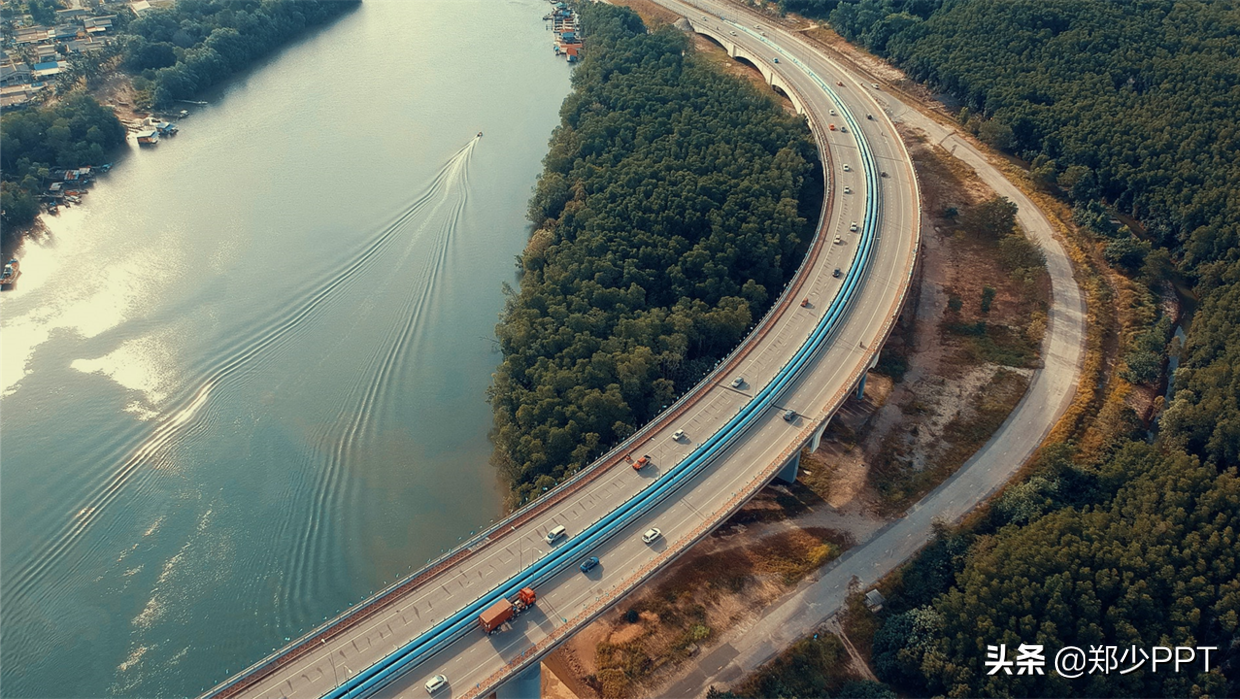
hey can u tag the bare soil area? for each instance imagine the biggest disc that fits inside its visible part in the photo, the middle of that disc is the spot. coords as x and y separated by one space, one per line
941 388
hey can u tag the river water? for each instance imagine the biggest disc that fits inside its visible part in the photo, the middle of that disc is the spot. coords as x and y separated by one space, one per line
244 383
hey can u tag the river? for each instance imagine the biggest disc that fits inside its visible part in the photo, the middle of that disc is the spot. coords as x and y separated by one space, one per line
244 382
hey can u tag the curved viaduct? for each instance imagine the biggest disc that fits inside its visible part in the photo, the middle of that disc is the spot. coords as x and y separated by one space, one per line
806 356
764 66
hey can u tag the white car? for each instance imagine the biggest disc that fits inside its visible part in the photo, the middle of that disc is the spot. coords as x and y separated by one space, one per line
853 227
847 167
436 683
678 435
738 382
652 535
848 190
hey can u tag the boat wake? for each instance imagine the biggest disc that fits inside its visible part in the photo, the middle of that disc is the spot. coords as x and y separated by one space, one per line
188 411
341 441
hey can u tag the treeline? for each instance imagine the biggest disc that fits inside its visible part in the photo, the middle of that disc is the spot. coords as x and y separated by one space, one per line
194 44
1125 107
1131 103
674 205
74 132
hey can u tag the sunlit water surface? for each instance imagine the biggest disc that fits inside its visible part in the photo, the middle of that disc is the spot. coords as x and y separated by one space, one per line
244 382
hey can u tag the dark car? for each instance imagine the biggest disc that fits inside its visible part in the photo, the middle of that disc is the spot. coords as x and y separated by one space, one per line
589 564
836 273
790 415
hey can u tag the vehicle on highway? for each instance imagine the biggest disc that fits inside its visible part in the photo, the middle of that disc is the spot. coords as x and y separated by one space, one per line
875 85
805 302
832 112
498 614
847 167
839 240
775 59
640 463
883 173
839 83
732 33
831 126
436 683
652 535
738 382
848 190
836 273
853 227
790 415
678 435
843 129
556 534
870 117
589 564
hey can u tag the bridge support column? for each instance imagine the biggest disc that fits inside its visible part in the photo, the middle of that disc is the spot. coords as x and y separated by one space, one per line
788 474
861 387
527 685
816 440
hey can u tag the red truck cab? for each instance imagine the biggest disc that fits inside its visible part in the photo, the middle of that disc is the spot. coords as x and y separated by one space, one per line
499 613
641 463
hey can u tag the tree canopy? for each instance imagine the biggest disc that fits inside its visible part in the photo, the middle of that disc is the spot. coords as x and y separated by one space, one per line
1124 106
670 214
194 44
74 132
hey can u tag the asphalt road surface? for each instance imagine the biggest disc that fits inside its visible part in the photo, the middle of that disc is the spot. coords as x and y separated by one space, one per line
476 663
1051 390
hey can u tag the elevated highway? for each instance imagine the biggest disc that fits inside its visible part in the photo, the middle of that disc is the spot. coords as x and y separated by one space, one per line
804 357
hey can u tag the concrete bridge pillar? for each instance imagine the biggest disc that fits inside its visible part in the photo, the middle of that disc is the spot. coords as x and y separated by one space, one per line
788 474
861 387
527 685
816 440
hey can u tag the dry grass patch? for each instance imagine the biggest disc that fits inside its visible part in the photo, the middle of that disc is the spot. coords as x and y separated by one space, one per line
653 15
687 605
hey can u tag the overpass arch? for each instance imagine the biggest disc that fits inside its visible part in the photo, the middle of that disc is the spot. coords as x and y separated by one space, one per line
764 66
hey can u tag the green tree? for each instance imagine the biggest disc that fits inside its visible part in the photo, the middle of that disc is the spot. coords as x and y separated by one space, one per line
673 197
994 218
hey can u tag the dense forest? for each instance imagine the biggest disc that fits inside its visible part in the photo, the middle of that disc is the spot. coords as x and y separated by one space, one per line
74 132
195 44
674 205
1127 107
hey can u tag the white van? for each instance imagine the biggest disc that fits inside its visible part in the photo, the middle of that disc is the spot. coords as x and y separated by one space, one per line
555 534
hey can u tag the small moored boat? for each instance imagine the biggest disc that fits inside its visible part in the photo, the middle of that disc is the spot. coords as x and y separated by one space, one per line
12 270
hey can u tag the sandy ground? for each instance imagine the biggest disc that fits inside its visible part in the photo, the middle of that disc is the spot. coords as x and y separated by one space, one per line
935 390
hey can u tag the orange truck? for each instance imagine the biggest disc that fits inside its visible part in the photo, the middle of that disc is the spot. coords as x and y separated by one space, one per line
499 613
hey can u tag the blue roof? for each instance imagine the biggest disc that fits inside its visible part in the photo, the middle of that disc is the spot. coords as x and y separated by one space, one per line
46 66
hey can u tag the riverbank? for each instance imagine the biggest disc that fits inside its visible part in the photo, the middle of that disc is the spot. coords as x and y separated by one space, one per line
221 48
673 288
201 337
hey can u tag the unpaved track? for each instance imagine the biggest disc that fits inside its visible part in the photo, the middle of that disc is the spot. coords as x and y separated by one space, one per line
1051 390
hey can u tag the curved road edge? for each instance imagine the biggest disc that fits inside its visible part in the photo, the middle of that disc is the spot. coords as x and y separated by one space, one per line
1051 391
